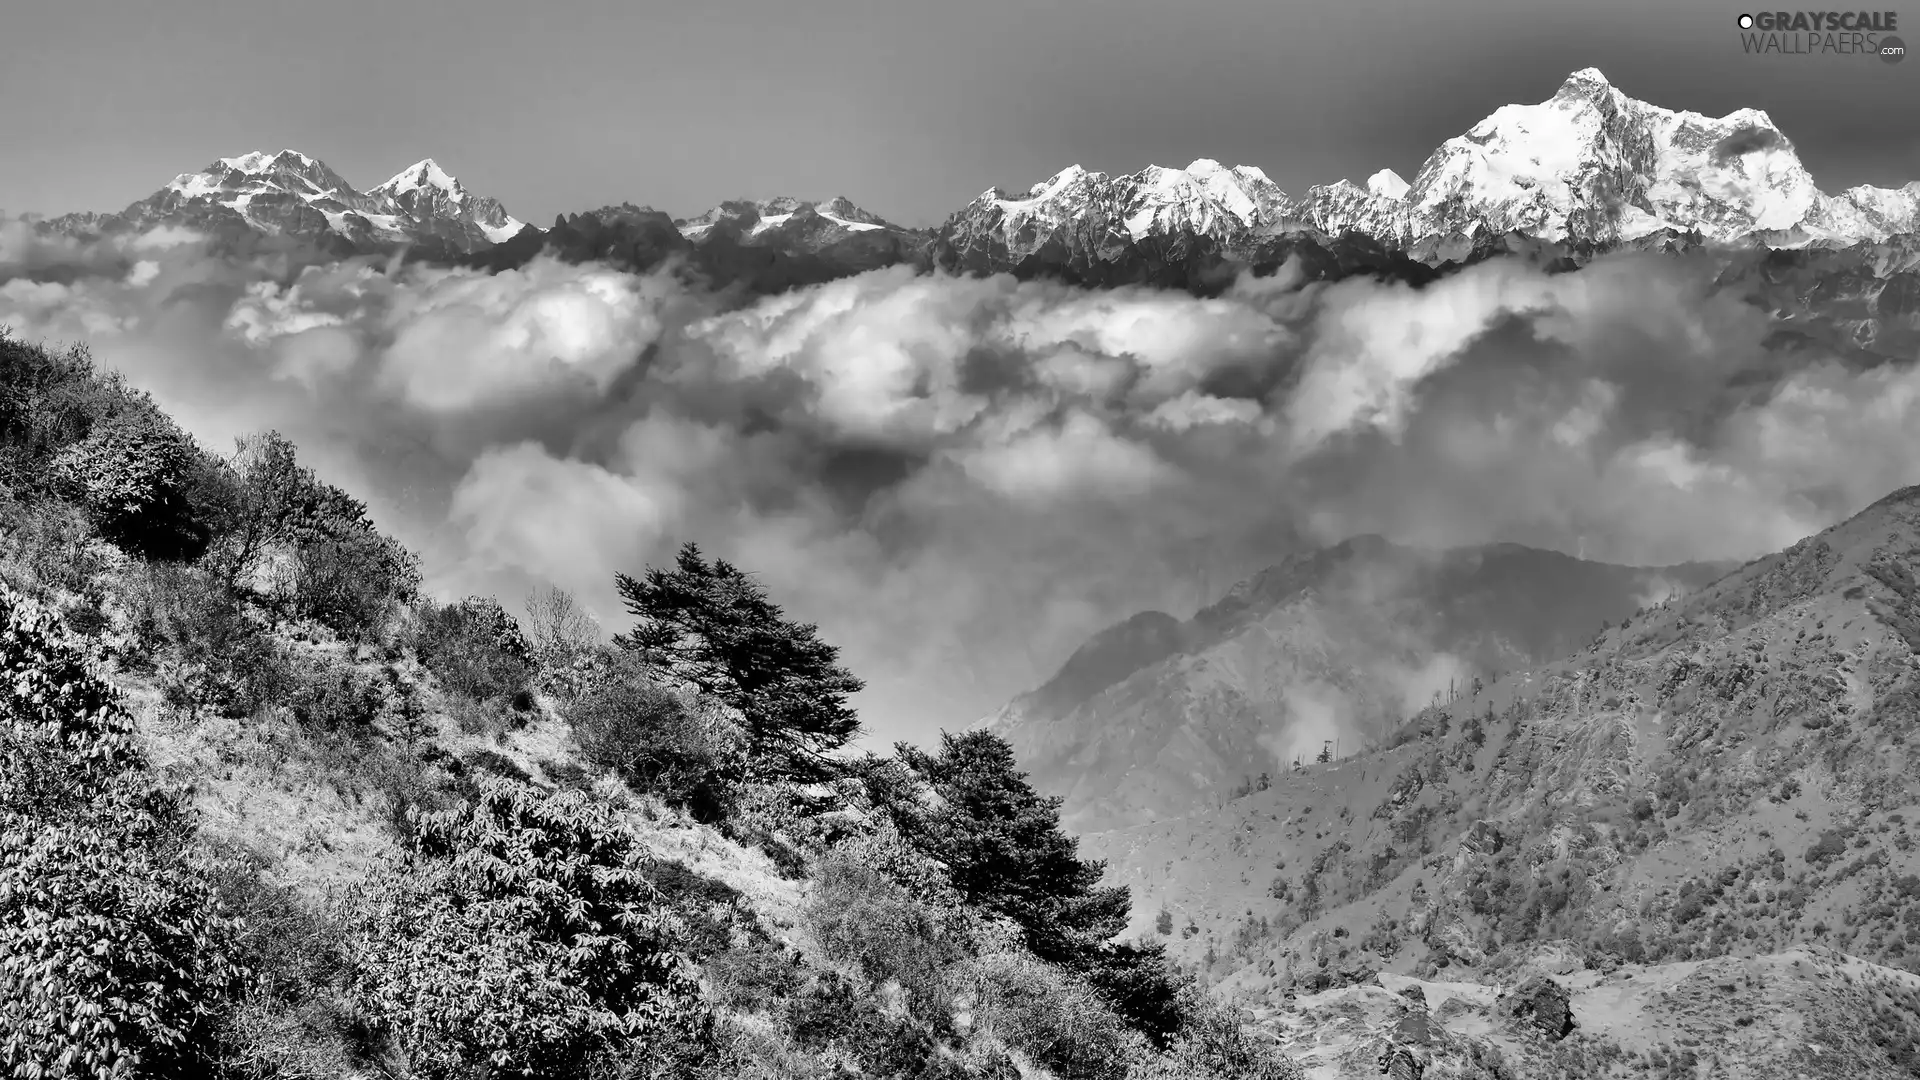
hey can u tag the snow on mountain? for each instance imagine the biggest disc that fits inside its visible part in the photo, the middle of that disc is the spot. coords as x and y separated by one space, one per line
1587 169
291 192
1588 165
426 193
785 219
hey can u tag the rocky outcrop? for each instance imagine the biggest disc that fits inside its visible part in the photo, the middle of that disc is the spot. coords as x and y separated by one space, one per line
1541 1004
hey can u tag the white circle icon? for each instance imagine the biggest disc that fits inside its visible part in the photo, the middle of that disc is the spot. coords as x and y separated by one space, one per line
1746 22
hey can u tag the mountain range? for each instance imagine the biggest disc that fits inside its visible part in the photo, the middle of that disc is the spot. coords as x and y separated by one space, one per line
1588 169
1587 172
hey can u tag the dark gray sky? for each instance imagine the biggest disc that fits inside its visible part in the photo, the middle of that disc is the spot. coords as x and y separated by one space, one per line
908 107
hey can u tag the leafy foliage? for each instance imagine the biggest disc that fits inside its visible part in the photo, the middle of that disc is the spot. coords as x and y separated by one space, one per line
134 474
860 916
714 626
282 533
1052 1018
657 741
474 647
1214 1046
114 952
521 938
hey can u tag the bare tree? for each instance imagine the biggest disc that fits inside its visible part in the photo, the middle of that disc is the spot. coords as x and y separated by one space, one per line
559 629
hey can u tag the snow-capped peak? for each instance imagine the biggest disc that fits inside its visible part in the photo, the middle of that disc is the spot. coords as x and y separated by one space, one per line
1387 184
785 213
425 173
290 191
260 161
1588 164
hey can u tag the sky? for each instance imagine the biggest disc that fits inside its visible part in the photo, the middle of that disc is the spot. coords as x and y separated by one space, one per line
908 107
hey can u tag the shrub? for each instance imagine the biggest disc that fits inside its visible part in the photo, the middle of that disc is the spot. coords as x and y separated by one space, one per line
1214 1046
654 739
1055 1020
351 583
559 630
307 546
520 937
860 916
133 474
329 695
51 547
753 978
183 615
47 400
496 763
114 952
293 1020
828 1014
1831 845
474 648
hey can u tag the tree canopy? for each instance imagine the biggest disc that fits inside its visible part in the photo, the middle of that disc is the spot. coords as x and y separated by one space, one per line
1003 848
713 625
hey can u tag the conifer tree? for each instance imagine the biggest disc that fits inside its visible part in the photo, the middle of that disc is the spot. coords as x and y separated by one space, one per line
713 625
1003 848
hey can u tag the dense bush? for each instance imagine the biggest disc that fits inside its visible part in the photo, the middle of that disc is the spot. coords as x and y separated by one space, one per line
829 1014
473 647
334 696
50 547
521 937
1214 1046
860 916
134 473
283 535
657 740
1052 1018
50 402
114 951
755 977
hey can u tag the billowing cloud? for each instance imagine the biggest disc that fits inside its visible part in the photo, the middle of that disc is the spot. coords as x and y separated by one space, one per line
960 479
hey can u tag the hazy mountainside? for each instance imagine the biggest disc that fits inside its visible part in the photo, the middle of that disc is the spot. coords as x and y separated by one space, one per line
1727 775
1156 717
761 247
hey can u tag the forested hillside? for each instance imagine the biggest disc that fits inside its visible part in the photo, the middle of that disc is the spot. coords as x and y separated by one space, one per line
268 811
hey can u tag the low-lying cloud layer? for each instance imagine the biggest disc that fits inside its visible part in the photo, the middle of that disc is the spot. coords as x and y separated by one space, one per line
959 479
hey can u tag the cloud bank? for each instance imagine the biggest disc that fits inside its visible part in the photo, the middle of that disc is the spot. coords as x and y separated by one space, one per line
960 479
